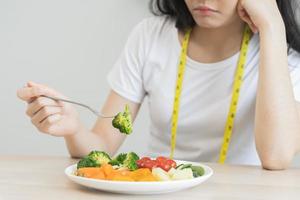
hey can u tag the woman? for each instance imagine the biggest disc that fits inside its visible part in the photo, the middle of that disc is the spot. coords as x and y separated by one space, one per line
266 105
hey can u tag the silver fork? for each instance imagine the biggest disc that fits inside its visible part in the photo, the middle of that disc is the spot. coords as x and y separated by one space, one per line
79 104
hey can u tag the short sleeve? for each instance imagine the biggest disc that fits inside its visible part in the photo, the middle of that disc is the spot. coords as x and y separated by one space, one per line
126 77
294 67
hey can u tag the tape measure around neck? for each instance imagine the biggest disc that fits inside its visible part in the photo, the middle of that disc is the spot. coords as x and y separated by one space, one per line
234 99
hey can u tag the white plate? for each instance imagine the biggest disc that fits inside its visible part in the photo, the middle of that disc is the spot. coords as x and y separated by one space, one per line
140 187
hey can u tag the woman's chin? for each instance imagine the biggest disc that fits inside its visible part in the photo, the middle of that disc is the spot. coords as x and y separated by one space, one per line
208 25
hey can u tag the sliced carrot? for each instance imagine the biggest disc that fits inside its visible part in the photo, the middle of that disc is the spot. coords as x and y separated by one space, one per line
143 174
99 175
111 175
147 178
106 172
108 169
124 172
88 171
119 177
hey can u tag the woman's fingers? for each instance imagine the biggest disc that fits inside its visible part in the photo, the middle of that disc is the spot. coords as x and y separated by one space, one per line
251 25
33 90
40 103
44 113
47 115
27 93
246 18
46 126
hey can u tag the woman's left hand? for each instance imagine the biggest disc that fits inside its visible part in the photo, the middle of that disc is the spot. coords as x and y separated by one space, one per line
260 14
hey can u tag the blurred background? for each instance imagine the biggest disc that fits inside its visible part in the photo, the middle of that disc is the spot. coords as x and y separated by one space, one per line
69 45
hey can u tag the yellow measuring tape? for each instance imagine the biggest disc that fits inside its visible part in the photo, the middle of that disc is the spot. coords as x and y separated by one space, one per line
235 93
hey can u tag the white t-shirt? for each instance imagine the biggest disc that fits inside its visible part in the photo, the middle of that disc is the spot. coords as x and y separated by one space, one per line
148 67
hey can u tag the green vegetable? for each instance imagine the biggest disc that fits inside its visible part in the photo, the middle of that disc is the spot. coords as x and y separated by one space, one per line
130 161
118 160
121 157
94 159
178 166
87 162
197 171
114 163
184 166
100 157
126 160
123 121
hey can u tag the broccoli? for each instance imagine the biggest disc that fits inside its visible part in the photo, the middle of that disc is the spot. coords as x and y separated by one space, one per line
100 157
87 162
126 160
130 161
94 159
123 122
121 157
118 160
114 163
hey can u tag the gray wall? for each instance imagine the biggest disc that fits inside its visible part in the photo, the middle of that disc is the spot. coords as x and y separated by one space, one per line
69 45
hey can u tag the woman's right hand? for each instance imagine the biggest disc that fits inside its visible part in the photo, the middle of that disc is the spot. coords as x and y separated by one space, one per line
49 116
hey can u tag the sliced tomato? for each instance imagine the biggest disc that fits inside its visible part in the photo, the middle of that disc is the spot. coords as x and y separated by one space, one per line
162 162
154 164
172 163
145 158
149 164
161 158
166 167
140 163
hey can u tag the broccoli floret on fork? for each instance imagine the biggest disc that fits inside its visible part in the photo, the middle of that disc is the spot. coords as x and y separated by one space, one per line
123 121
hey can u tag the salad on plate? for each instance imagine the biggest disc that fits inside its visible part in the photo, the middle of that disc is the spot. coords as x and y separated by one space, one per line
130 167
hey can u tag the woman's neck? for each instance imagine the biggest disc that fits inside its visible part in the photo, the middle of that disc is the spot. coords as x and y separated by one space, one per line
214 45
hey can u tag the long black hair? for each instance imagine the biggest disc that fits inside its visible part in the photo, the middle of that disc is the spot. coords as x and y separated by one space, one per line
177 10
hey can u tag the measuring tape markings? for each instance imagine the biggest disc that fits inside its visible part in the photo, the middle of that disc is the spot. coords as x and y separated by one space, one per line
238 80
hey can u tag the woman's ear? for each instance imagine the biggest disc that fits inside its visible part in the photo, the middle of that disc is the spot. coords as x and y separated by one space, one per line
245 17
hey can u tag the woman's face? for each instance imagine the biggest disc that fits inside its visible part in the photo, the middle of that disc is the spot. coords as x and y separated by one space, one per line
213 13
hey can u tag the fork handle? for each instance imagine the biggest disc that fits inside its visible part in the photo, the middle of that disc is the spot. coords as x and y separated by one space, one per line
79 104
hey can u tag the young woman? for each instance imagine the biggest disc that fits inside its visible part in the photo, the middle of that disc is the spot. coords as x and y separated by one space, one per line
262 99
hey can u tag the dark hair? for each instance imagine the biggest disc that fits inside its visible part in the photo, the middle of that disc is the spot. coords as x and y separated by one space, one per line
177 10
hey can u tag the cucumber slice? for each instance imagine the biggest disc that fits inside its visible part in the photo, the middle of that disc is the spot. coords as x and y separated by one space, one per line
184 166
178 166
197 171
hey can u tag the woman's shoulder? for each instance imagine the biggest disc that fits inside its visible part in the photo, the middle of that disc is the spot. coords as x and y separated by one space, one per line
294 58
158 22
155 25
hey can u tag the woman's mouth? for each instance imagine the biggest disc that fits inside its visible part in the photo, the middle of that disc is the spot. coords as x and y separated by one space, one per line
204 10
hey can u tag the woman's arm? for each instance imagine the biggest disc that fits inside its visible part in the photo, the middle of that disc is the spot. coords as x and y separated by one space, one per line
62 120
277 119
103 135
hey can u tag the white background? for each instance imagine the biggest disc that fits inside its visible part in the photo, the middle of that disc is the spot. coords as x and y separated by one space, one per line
69 45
